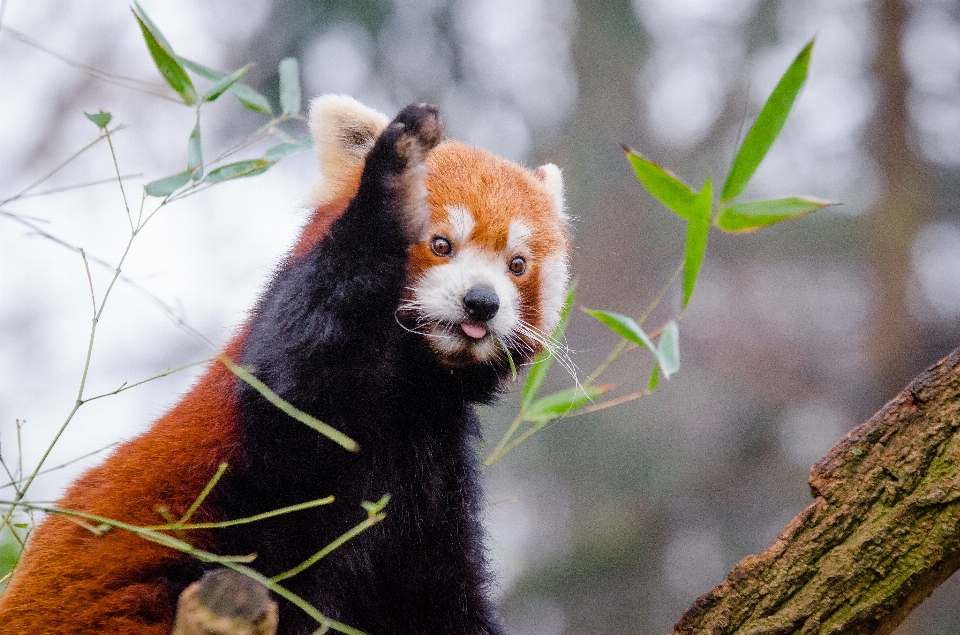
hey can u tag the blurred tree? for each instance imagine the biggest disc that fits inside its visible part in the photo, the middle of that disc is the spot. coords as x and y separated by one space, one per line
896 349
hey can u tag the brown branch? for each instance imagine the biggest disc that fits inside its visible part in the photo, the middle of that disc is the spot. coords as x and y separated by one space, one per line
225 602
883 533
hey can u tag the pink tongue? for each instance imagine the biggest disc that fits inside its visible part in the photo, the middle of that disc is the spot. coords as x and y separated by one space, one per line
473 330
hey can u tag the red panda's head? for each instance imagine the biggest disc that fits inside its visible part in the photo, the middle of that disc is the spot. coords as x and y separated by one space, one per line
490 269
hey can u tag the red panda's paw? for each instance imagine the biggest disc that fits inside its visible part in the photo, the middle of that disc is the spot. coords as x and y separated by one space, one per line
401 151
225 602
418 129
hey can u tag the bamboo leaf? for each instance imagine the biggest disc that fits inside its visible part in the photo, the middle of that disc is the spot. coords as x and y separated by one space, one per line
168 185
290 86
668 350
247 96
251 99
164 57
326 430
278 152
544 360
222 85
698 227
100 119
625 327
375 508
662 184
767 126
240 169
741 218
194 154
562 403
654 378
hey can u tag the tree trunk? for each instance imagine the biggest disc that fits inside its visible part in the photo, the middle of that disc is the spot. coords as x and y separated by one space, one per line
882 534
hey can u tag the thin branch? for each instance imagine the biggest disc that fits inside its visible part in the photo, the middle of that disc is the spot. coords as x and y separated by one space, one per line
315 558
127 82
83 379
242 521
86 266
625 346
125 386
66 464
20 449
76 186
59 167
203 496
231 562
13 479
498 452
603 405
116 167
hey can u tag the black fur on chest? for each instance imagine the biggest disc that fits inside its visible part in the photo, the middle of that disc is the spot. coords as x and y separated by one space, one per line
325 338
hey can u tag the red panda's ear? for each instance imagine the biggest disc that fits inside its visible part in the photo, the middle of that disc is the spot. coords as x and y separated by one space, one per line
550 176
343 130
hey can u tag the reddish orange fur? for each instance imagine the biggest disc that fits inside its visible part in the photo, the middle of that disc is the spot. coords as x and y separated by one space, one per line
72 581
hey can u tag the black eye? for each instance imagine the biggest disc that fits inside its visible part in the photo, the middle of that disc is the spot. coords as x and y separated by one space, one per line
440 246
518 265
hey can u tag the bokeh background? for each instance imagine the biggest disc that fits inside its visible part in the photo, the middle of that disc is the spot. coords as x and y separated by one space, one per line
612 522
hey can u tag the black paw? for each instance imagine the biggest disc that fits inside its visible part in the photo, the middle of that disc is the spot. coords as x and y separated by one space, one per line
225 602
413 133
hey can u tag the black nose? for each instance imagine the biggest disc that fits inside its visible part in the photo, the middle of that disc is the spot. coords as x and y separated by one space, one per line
481 303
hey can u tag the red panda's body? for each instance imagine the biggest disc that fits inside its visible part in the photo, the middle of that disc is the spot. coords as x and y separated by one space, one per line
388 321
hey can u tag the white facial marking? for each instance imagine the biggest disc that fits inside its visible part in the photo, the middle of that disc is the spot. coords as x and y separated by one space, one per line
518 236
461 222
439 296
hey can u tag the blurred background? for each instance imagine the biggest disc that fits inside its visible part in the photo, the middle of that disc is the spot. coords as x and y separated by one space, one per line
606 523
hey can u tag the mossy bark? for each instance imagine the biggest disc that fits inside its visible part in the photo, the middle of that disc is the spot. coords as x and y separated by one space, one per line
882 534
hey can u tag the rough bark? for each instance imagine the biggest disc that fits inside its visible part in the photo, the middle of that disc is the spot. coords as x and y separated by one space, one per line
882 534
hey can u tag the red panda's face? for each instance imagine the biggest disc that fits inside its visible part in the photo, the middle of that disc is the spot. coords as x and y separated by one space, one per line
490 271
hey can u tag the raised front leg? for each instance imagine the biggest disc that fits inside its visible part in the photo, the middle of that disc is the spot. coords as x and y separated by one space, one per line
324 310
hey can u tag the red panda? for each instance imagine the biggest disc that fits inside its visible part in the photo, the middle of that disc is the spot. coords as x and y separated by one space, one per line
425 265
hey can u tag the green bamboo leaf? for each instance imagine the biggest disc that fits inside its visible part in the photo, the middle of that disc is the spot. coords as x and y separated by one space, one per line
668 349
277 152
154 30
251 99
247 96
238 170
373 509
326 430
100 119
290 86
741 218
654 378
544 360
767 126
222 85
194 154
168 185
561 403
164 57
662 184
698 226
201 70
625 327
